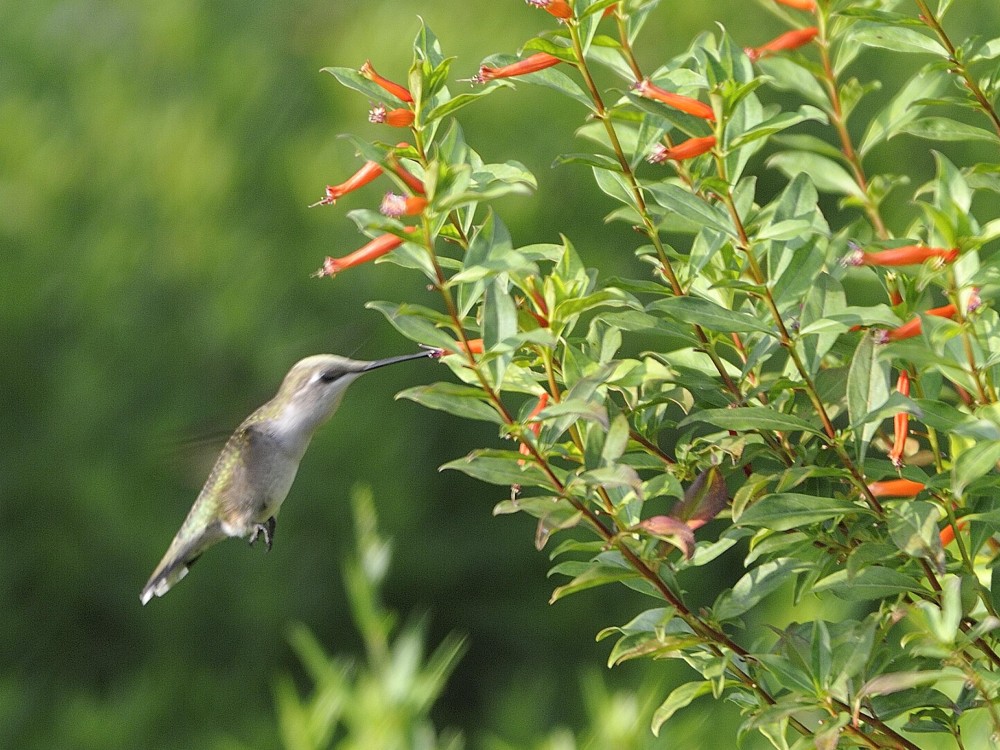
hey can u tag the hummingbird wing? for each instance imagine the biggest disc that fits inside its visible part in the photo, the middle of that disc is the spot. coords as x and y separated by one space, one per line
211 518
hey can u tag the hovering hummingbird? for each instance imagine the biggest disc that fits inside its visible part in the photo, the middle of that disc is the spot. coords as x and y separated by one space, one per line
255 470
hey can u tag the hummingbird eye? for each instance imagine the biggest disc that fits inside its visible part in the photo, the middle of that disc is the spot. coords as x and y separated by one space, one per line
328 376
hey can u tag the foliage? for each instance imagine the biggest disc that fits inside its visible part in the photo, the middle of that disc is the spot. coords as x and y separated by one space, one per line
384 703
737 394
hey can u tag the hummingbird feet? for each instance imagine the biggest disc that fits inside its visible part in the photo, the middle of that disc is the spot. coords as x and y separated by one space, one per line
267 529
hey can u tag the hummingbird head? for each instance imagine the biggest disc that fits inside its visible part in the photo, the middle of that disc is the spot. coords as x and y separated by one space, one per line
313 388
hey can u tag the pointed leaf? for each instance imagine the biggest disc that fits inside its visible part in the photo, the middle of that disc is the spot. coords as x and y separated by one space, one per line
788 510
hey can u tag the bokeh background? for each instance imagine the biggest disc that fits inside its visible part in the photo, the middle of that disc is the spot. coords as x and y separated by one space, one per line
156 164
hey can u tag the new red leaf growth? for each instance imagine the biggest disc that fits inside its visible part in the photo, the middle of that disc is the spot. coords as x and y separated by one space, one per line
531 64
788 41
683 103
670 530
400 92
703 500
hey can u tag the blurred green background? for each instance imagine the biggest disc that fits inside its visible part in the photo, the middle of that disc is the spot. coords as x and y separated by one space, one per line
156 163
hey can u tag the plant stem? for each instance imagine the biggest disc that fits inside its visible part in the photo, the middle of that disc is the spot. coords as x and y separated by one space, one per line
836 114
958 67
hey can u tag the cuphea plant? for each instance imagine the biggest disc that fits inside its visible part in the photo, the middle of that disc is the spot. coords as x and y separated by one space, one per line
747 379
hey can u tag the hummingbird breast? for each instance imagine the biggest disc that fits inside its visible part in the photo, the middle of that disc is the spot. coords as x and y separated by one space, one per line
253 480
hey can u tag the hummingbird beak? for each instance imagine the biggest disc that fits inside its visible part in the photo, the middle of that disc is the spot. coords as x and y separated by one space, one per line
401 358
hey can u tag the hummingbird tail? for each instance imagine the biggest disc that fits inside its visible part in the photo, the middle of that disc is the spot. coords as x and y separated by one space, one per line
175 564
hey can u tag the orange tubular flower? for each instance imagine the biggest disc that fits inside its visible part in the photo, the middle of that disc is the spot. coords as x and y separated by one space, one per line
788 41
411 181
472 346
683 103
530 64
914 327
908 255
558 8
900 423
363 176
396 118
689 149
400 92
375 249
807 5
948 533
535 427
394 205
895 488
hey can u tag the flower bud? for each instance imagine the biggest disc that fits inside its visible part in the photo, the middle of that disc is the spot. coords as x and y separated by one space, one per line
396 118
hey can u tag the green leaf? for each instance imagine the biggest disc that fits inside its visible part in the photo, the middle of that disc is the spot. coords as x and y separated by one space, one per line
595 574
755 585
411 321
598 161
788 510
913 527
787 75
499 323
352 79
460 400
972 464
708 314
559 81
751 418
607 297
827 175
942 416
500 467
893 682
867 389
895 38
457 102
945 129
903 109
679 698
776 124
873 582
692 208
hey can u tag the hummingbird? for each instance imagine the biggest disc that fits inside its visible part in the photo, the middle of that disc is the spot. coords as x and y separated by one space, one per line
255 469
